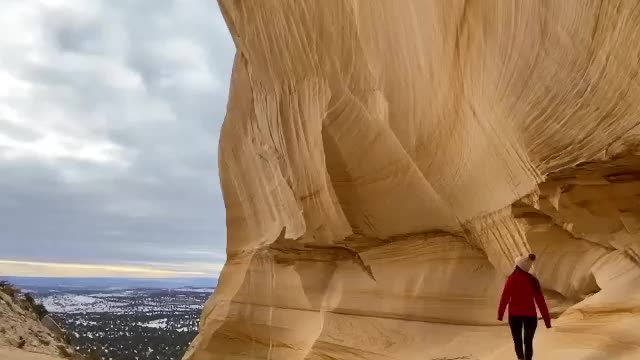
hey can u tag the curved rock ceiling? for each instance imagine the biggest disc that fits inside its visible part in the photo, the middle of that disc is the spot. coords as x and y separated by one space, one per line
383 162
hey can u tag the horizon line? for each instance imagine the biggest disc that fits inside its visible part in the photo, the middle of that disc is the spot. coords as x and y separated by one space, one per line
106 277
19 268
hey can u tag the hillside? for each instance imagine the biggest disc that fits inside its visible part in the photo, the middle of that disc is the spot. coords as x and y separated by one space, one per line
16 354
23 335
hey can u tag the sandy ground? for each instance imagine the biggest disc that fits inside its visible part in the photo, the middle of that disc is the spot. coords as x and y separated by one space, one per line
15 354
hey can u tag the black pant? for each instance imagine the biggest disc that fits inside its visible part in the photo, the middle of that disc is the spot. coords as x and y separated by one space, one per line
529 323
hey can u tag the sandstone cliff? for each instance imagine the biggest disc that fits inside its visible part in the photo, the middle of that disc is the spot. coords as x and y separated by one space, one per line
383 163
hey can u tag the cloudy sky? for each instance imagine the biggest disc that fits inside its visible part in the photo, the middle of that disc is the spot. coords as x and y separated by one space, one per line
110 112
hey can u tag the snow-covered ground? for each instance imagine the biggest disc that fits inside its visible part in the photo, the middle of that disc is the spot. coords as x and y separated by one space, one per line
125 293
85 322
200 290
158 324
70 303
132 323
119 302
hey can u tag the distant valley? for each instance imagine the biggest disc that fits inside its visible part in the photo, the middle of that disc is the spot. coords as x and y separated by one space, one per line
106 283
124 319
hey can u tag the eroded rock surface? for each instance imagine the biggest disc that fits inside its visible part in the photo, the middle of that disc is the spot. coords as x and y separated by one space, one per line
383 163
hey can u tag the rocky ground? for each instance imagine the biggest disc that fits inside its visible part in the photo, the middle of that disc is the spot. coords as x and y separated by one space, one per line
22 333
8 353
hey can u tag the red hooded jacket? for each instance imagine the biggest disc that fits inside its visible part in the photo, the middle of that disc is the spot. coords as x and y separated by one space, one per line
520 292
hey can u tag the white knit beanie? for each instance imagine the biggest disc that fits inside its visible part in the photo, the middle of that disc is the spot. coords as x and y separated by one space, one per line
525 262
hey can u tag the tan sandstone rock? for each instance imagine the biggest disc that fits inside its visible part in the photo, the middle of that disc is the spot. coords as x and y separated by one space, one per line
383 162
23 336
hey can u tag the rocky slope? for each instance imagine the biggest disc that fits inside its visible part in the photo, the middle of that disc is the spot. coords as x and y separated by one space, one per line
23 336
384 162
8 353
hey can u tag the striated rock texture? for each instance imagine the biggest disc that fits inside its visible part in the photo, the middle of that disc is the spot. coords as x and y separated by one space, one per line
383 162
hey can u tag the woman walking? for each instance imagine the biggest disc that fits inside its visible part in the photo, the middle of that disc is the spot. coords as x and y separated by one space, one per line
522 292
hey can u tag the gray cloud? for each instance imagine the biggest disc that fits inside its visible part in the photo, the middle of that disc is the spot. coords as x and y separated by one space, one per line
108 130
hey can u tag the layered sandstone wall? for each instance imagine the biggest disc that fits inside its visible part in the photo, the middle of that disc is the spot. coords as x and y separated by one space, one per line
383 163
